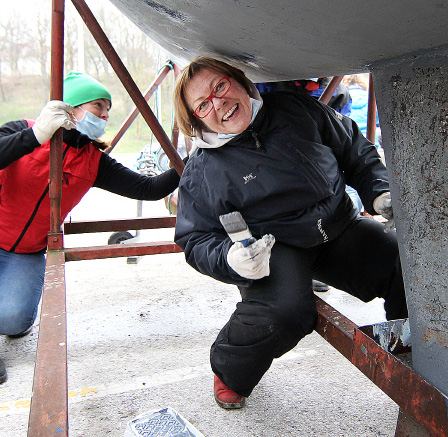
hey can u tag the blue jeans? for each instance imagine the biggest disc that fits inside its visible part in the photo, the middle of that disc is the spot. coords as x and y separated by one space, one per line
21 282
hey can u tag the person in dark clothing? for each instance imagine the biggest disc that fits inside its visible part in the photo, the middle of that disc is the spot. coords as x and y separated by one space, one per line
339 101
24 193
282 160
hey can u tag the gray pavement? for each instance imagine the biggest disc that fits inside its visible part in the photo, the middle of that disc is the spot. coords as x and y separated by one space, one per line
139 338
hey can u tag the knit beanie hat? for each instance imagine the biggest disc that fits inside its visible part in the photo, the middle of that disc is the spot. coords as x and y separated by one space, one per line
81 88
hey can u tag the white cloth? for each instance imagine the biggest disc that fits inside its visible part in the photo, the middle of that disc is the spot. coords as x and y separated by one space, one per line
54 114
251 262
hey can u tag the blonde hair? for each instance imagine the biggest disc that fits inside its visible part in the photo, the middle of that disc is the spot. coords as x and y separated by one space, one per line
187 122
357 79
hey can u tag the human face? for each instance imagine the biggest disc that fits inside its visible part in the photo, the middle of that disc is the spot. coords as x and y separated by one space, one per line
99 107
231 113
220 90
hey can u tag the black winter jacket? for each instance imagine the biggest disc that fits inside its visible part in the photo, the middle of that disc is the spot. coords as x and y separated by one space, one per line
286 174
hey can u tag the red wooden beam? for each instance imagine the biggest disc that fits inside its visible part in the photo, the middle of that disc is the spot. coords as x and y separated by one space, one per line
371 113
392 373
120 250
83 227
133 114
129 84
56 93
335 328
49 402
330 89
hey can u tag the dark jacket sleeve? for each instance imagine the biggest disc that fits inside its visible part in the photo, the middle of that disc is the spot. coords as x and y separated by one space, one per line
116 178
199 232
16 140
357 157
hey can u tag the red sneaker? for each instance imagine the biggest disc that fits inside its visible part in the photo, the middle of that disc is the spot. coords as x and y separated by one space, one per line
227 398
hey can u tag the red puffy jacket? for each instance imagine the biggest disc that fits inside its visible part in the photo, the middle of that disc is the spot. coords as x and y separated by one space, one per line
25 202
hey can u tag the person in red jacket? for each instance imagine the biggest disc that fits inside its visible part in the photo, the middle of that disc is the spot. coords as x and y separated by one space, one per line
24 192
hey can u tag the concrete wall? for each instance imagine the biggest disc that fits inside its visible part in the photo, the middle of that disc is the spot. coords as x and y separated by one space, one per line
412 97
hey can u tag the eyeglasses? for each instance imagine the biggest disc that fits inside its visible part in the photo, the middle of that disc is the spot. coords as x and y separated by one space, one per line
219 90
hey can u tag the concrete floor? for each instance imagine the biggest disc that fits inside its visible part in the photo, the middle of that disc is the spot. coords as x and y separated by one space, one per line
139 338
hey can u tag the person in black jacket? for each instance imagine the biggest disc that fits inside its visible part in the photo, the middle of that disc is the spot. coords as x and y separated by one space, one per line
282 160
340 101
24 197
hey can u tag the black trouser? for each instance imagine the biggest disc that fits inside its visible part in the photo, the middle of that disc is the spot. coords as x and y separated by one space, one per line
279 310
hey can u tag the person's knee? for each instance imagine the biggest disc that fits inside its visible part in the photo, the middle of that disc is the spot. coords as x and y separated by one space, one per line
289 322
13 321
301 320
291 325
258 323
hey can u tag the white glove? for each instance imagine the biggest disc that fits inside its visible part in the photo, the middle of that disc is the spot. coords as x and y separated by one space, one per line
383 206
55 114
251 262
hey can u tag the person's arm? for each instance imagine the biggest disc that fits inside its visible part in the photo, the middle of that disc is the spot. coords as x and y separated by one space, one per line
116 178
16 140
201 236
358 158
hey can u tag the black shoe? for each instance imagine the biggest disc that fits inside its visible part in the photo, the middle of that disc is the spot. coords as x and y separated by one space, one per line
22 334
320 286
3 374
